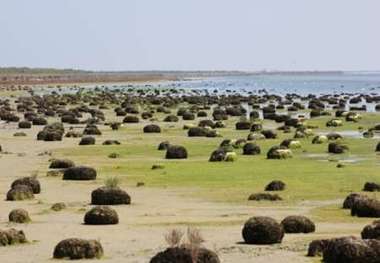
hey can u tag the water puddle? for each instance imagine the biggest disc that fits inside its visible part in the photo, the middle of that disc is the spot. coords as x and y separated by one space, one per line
326 157
352 134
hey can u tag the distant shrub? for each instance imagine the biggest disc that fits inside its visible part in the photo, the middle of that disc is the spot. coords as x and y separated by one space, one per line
112 182
113 155
174 237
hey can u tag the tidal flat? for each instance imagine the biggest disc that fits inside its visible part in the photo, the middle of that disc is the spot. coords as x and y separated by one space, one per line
162 161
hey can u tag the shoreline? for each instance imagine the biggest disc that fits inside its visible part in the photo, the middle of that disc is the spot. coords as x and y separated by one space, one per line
30 76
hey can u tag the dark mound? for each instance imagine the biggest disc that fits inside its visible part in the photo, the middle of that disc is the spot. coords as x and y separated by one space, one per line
316 247
75 248
163 145
131 119
279 152
19 216
334 123
73 134
319 139
201 114
24 125
254 115
262 230
58 206
264 196
61 164
340 113
197 132
334 136
293 123
113 155
290 143
176 152
255 136
256 127
371 231
171 118
120 112
69 119
91 129
20 192
52 132
275 186
181 111
188 116
152 128
365 207
111 142
87 141
110 196
243 125
206 123
115 126
238 143
337 148
218 155
351 250
79 173
251 149
157 166
101 215
19 134
219 114
11 237
146 115
219 124
371 187
269 134
227 143
204 255
368 134
353 116
298 224
49 136
39 121
185 255
351 199
32 182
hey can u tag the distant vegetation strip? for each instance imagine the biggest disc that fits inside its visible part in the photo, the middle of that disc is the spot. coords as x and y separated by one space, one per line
33 76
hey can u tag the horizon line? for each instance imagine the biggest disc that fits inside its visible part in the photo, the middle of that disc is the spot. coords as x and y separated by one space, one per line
15 68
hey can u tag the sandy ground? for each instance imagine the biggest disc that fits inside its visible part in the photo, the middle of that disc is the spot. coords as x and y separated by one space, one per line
140 233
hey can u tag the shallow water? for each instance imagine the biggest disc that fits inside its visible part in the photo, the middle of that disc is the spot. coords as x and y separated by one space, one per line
327 157
281 84
353 134
301 84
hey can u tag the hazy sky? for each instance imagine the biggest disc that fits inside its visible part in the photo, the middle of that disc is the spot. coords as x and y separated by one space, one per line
191 34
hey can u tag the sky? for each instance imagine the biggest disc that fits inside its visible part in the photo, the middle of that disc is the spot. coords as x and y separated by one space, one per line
247 35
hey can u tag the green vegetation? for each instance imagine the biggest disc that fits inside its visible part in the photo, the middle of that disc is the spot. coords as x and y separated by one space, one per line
12 93
26 70
312 173
112 182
